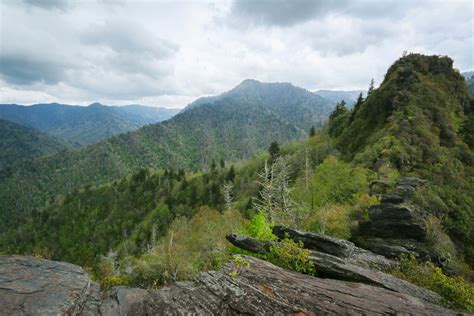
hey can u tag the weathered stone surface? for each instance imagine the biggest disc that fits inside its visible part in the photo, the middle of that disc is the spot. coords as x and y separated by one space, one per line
396 226
389 220
120 299
337 247
250 244
264 289
30 286
354 268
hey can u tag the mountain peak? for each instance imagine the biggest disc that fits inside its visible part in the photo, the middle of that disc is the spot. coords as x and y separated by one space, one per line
95 104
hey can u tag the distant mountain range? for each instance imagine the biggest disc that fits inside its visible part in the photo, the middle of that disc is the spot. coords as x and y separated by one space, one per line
84 125
336 96
232 126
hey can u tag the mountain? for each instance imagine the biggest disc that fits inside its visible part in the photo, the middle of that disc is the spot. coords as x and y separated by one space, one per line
19 143
233 126
469 76
350 97
419 122
82 125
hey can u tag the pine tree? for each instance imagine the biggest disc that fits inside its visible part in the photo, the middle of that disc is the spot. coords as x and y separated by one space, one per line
231 174
222 163
274 151
371 87
312 131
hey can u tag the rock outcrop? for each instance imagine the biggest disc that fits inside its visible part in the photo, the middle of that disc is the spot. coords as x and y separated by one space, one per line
395 226
264 289
30 286
341 265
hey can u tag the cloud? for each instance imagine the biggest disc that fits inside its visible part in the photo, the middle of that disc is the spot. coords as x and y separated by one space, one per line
49 4
284 13
168 53
24 70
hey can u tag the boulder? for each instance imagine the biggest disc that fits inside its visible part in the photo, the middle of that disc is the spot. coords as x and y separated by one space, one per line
119 300
31 286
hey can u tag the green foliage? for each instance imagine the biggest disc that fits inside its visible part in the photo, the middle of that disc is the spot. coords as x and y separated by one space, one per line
292 256
259 227
239 263
332 220
188 247
456 292
333 181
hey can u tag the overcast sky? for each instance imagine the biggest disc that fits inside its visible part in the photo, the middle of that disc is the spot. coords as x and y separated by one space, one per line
169 53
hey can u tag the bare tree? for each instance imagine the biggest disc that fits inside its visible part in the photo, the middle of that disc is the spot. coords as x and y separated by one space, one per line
226 191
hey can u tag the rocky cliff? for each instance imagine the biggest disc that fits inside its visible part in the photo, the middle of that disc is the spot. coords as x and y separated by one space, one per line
30 286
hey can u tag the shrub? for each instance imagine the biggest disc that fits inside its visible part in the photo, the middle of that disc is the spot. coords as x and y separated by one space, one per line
332 220
455 291
259 227
291 255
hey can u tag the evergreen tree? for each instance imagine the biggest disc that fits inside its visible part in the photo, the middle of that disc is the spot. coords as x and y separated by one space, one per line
357 105
274 151
371 87
213 165
312 131
231 174
222 163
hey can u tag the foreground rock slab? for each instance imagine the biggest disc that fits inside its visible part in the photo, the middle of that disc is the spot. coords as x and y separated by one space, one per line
264 289
30 286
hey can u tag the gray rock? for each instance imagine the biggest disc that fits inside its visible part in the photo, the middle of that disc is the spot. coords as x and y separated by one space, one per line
264 289
120 299
359 267
31 286
337 247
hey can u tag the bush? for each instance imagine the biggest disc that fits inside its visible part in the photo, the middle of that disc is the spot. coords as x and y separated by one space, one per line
332 220
291 255
259 227
456 292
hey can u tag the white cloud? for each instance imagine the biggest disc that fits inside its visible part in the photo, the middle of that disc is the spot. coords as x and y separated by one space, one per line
168 53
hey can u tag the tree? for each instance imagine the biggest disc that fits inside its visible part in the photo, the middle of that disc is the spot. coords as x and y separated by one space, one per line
274 151
213 165
312 131
222 163
274 196
226 191
231 174
340 109
357 105
371 87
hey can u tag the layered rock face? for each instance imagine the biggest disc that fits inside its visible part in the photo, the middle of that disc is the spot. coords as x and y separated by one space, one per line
395 226
30 286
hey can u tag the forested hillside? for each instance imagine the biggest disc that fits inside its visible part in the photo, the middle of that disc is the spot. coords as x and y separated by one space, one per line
83 125
419 122
18 143
234 126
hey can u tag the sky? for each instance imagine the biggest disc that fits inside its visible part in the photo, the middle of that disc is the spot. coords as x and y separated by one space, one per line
168 53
